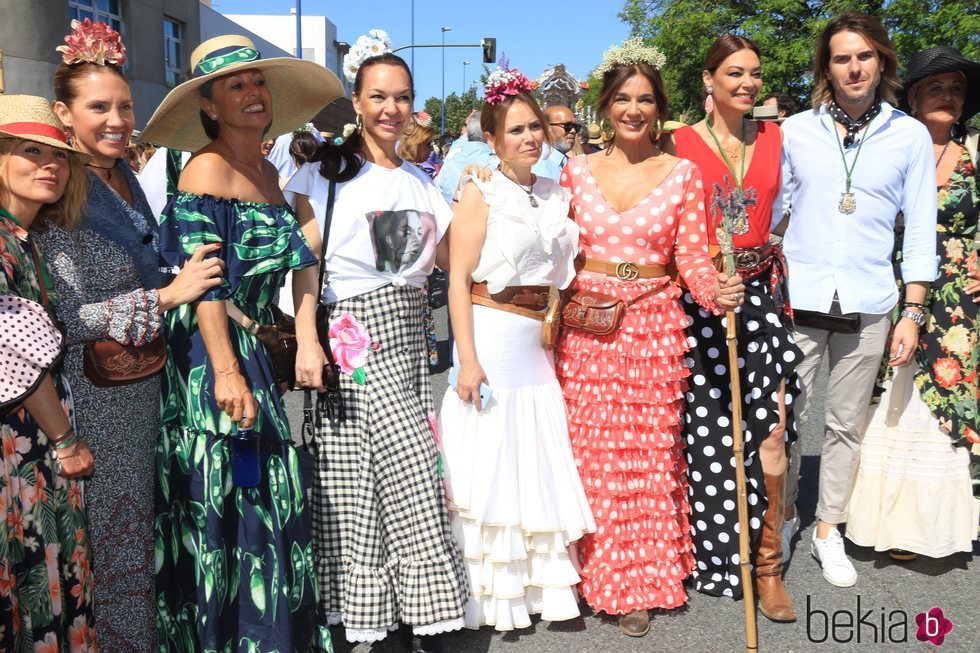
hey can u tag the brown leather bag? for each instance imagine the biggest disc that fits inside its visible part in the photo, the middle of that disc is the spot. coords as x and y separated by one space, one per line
278 338
108 363
593 312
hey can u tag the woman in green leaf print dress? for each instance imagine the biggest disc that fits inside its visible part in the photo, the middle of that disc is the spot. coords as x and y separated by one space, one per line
235 567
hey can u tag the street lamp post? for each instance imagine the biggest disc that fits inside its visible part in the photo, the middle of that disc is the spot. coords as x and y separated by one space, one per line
443 122
465 64
413 39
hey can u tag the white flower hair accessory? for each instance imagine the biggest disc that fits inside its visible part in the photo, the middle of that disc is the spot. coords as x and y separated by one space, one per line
632 51
372 44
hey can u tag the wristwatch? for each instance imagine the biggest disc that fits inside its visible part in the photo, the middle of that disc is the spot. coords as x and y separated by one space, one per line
918 318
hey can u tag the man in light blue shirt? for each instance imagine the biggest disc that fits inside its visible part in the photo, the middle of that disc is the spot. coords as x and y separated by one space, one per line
851 165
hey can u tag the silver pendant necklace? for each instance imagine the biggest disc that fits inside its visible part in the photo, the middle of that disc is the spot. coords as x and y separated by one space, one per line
528 190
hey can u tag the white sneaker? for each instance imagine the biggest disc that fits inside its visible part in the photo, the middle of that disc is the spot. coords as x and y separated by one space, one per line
790 528
837 569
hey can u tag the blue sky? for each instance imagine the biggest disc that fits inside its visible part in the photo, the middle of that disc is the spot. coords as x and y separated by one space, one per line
534 34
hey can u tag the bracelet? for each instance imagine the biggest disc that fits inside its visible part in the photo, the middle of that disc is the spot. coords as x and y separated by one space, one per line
915 304
61 445
228 370
55 439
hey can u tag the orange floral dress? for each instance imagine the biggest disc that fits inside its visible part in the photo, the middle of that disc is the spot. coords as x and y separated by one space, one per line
625 391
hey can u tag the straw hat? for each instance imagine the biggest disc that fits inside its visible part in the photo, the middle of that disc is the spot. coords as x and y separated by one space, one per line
299 90
595 134
30 118
937 60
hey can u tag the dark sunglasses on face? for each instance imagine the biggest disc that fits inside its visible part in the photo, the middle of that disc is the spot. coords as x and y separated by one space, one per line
567 126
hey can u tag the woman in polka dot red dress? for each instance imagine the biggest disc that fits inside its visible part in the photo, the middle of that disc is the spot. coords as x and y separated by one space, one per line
636 208
740 162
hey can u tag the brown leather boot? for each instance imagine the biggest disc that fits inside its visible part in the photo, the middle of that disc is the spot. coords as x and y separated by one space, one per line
774 603
636 623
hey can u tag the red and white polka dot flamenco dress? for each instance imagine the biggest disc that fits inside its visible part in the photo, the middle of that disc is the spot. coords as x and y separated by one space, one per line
625 391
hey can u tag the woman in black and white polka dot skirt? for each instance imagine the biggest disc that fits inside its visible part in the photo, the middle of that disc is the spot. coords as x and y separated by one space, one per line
740 161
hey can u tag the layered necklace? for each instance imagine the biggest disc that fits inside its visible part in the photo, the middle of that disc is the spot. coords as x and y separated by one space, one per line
528 190
740 219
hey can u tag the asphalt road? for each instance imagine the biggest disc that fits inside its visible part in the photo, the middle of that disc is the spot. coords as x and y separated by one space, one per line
876 615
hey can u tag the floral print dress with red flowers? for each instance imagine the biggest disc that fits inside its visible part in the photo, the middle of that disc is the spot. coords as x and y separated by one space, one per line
948 352
45 556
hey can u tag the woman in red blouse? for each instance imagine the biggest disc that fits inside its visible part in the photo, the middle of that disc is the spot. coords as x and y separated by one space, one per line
739 160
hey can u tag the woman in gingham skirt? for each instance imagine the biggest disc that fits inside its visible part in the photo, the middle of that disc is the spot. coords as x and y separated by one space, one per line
385 553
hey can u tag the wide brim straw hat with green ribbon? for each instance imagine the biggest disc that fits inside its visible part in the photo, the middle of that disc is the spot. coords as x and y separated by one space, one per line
30 118
299 89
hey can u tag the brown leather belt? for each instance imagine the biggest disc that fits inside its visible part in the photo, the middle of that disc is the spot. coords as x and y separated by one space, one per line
622 270
528 301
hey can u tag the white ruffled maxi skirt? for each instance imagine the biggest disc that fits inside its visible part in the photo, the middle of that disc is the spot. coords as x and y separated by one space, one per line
517 501
912 489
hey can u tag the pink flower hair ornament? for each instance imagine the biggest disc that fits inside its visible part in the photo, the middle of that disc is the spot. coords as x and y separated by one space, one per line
95 43
503 82
423 119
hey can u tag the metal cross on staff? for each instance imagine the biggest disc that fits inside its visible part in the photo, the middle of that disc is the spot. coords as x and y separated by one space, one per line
732 206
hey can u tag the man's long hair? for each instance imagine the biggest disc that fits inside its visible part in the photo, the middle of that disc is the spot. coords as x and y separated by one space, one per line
874 32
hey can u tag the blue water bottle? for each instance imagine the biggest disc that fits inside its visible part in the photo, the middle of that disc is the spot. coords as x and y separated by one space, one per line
245 470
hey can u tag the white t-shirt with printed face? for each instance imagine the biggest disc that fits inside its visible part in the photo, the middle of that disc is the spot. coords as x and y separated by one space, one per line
386 225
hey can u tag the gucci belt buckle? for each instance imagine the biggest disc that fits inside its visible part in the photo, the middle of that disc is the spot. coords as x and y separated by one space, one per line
627 271
747 259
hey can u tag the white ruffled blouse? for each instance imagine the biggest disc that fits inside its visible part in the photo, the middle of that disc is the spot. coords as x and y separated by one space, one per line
524 245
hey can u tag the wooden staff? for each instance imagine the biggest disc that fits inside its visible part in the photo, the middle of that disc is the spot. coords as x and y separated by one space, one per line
738 448
3 86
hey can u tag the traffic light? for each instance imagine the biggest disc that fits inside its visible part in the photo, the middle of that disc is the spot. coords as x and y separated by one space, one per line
489 50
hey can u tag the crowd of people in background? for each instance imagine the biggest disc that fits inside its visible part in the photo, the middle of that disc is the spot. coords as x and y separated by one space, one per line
640 308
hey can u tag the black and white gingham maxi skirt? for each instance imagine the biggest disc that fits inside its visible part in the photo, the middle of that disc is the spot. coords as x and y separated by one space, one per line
384 548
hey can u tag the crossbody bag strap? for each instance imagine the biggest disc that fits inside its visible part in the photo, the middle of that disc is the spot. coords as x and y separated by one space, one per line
308 412
325 236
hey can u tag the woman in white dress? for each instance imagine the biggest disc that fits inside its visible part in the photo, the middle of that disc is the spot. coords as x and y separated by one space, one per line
518 503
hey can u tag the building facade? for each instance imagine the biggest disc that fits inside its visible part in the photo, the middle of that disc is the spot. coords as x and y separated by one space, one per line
159 37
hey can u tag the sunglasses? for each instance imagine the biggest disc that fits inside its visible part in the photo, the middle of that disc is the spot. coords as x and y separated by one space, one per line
567 126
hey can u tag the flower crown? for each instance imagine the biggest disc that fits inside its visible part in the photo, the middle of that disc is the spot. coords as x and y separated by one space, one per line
631 52
93 43
372 44
503 82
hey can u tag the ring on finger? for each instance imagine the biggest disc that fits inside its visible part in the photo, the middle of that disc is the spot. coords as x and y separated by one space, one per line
736 296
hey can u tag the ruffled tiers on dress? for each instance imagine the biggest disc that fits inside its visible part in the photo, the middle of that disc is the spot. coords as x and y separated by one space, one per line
518 505
625 396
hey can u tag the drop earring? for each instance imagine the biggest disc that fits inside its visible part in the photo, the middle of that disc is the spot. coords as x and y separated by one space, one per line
709 101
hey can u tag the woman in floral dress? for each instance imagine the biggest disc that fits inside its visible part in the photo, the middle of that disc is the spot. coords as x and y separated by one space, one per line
45 556
235 560
922 444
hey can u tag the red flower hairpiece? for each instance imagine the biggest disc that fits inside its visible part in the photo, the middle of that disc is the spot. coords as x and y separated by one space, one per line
423 119
93 43
503 82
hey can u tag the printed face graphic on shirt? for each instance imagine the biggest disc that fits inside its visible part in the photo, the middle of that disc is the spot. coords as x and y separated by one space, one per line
398 238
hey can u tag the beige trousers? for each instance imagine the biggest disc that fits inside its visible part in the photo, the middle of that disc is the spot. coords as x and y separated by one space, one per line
855 359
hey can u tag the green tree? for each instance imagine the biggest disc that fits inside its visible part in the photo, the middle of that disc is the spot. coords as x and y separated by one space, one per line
785 31
458 108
